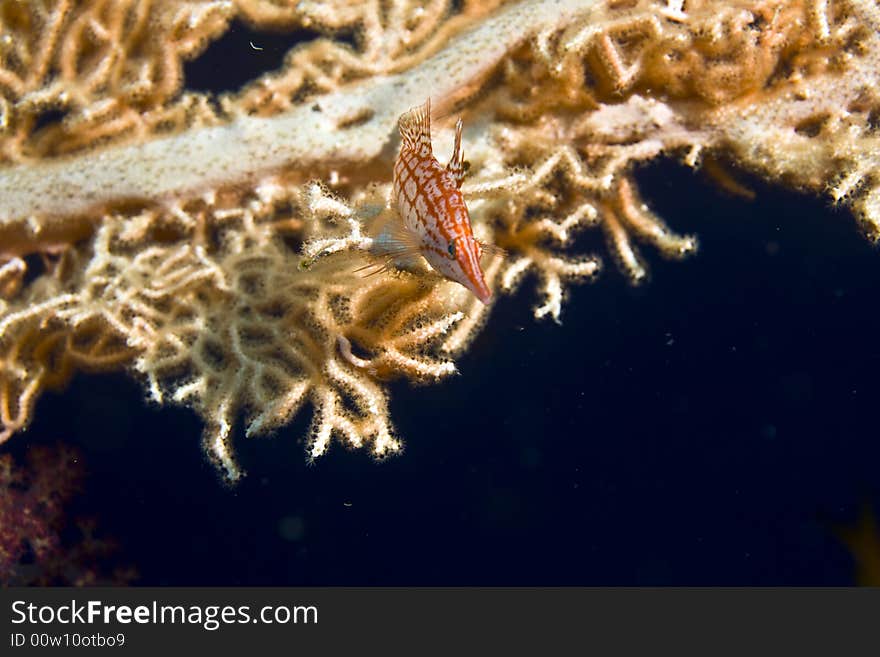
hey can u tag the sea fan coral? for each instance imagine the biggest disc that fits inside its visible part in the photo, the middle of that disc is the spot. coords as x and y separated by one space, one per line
211 244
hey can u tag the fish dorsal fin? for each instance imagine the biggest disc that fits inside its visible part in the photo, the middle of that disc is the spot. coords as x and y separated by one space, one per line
415 129
456 164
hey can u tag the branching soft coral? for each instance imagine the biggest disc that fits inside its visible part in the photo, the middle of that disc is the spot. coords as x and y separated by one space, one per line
231 322
114 68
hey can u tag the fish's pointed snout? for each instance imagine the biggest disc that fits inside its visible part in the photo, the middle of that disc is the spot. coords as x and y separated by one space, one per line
481 290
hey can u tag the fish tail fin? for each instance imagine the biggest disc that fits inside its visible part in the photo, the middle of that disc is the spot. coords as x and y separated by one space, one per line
415 129
456 163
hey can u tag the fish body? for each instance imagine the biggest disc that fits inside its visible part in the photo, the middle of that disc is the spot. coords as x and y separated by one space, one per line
433 220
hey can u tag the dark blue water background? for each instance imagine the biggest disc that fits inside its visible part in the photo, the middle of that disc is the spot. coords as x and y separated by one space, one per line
710 427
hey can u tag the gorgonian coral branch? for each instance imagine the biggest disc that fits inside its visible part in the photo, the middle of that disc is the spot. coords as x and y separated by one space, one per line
214 248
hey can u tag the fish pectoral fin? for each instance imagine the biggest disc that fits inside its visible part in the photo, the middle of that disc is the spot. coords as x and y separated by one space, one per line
401 257
376 267
396 246
396 240
492 250
398 260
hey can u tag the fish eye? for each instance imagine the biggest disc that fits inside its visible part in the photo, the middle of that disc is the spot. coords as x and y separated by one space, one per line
451 249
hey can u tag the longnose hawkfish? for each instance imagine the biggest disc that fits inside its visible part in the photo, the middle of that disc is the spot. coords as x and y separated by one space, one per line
432 220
